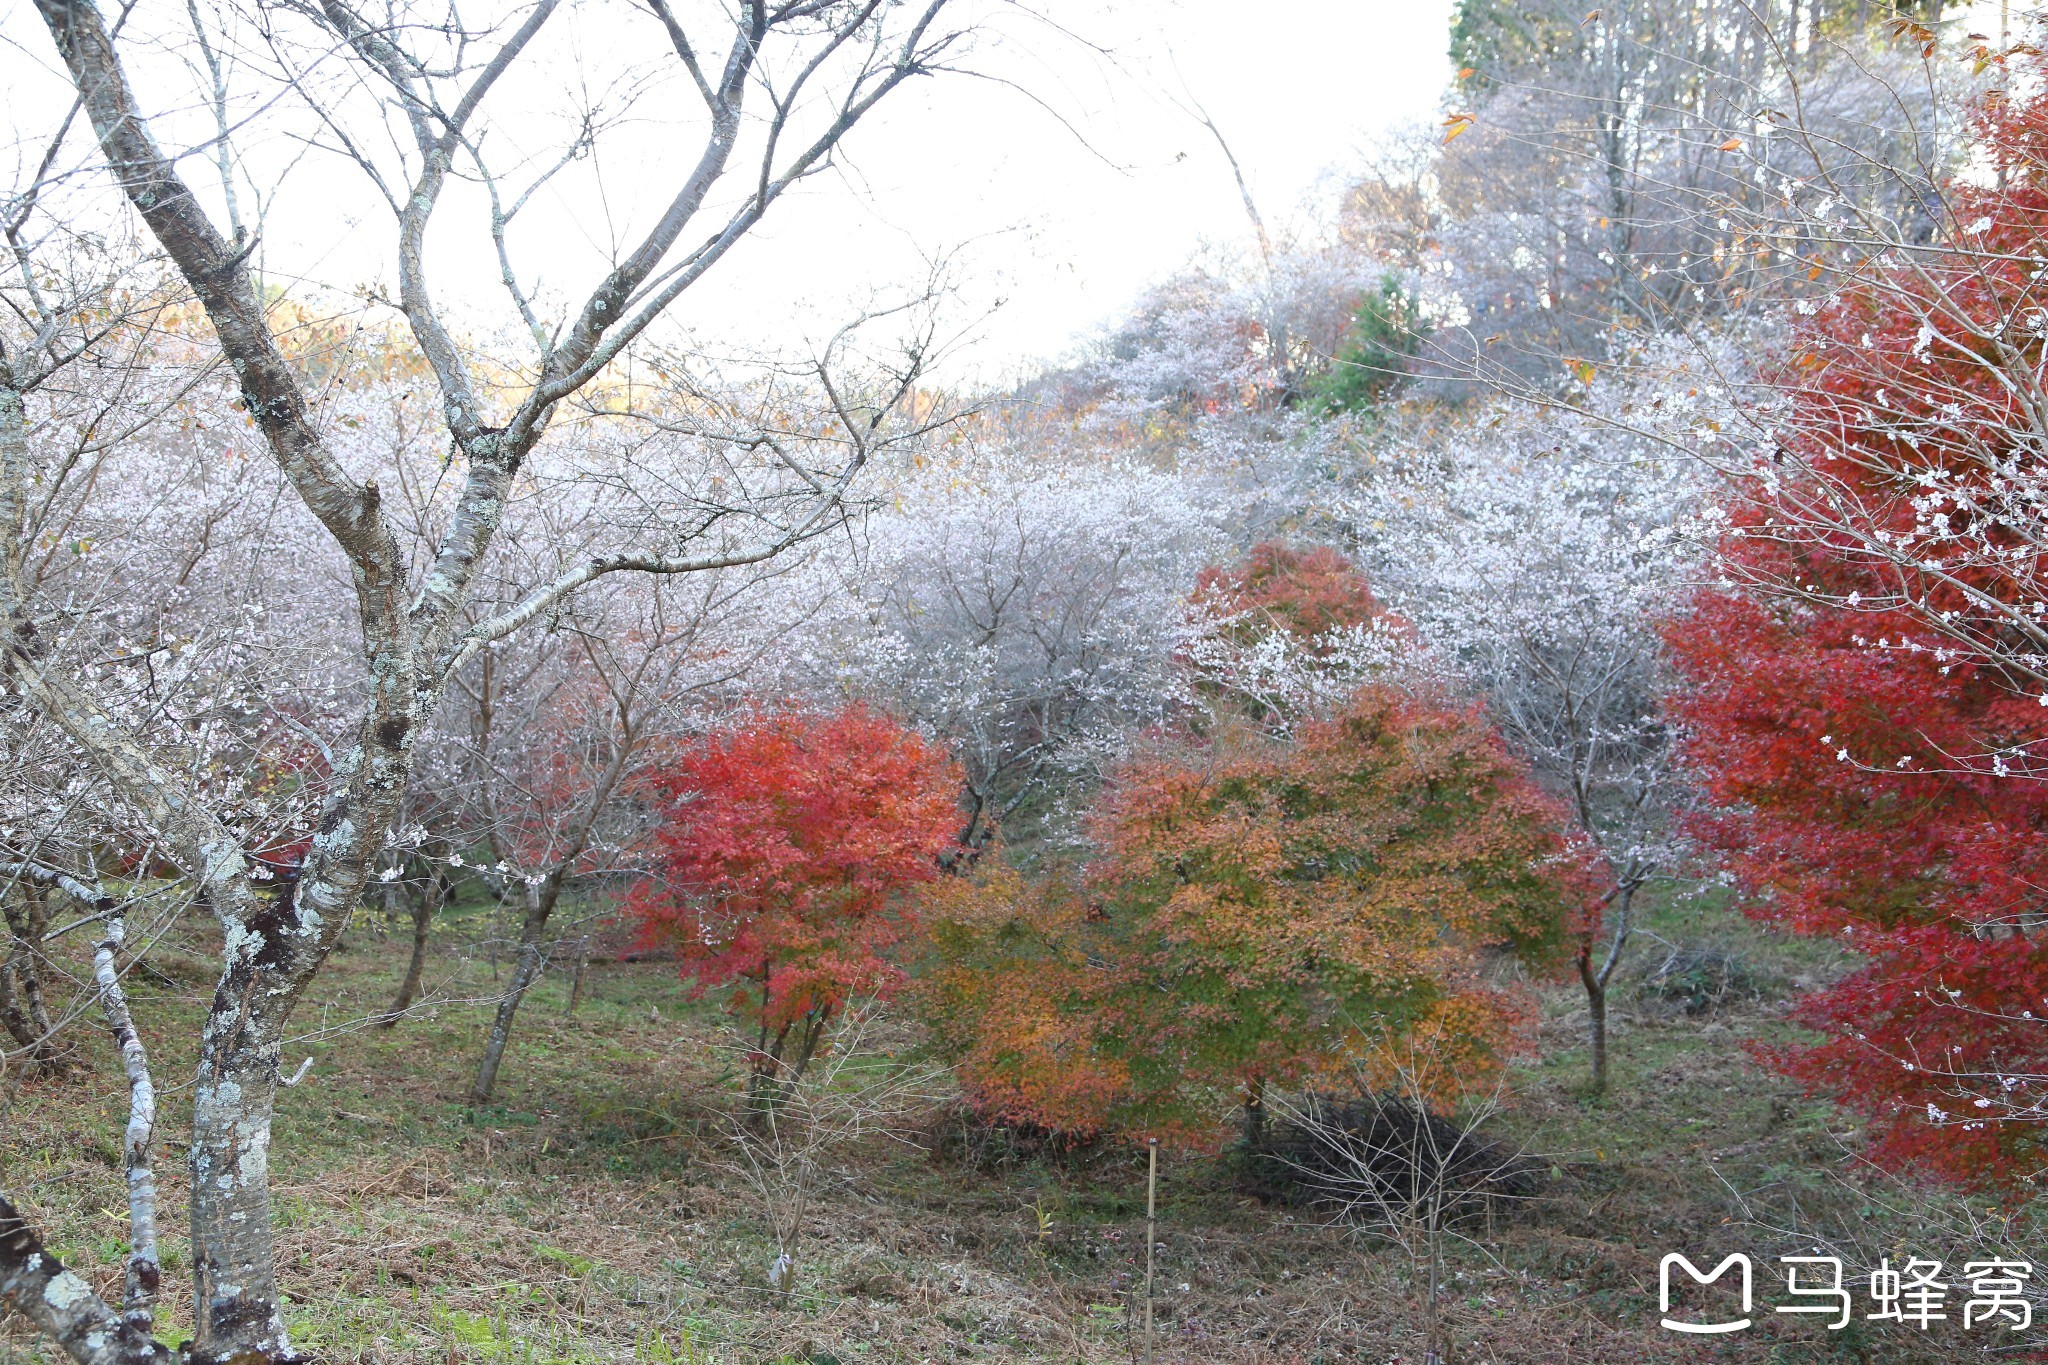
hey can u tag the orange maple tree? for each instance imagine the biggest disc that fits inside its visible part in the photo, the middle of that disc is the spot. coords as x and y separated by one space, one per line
1264 913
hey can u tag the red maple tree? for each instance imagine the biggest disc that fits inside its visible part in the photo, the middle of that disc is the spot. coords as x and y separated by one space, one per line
1303 592
1865 712
788 843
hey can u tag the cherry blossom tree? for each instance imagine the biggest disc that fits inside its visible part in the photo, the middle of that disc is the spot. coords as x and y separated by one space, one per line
1028 610
1535 555
408 102
1602 172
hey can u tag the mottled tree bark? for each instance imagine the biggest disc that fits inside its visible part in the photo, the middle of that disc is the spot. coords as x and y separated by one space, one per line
145 1269
35 1284
13 1014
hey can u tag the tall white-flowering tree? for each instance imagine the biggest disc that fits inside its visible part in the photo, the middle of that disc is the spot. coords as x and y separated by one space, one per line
1027 608
1604 169
1536 554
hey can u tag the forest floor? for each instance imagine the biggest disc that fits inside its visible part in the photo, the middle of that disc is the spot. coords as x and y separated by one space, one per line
594 1212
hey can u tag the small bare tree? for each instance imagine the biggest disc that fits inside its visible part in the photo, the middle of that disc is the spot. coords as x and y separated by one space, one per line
628 671
785 1144
1389 1166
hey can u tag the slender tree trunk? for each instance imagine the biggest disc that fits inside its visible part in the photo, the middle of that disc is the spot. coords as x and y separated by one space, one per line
813 1032
424 907
493 930
1255 1114
144 1279
1435 1352
540 905
33 1282
1596 978
1596 1025
526 969
22 1006
777 1074
13 1016
763 1087
576 975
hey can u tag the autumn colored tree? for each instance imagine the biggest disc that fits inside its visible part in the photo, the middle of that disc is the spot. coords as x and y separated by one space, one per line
1305 592
1866 700
1843 815
1264 913
1010 997
789 843
1288 632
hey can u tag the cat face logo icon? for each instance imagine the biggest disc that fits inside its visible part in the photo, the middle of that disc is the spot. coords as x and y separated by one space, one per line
1664 1267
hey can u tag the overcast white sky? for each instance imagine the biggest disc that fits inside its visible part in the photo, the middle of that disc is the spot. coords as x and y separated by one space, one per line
1067 230
1064 236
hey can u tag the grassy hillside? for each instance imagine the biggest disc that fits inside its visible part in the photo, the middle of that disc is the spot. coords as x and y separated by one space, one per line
595 1213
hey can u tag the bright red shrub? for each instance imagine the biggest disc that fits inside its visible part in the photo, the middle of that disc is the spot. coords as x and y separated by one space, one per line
782 866
1868 720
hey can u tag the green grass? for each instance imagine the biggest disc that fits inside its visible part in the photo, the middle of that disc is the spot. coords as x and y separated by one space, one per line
591 1212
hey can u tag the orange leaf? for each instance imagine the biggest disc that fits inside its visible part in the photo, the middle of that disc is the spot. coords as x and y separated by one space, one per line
1733 144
